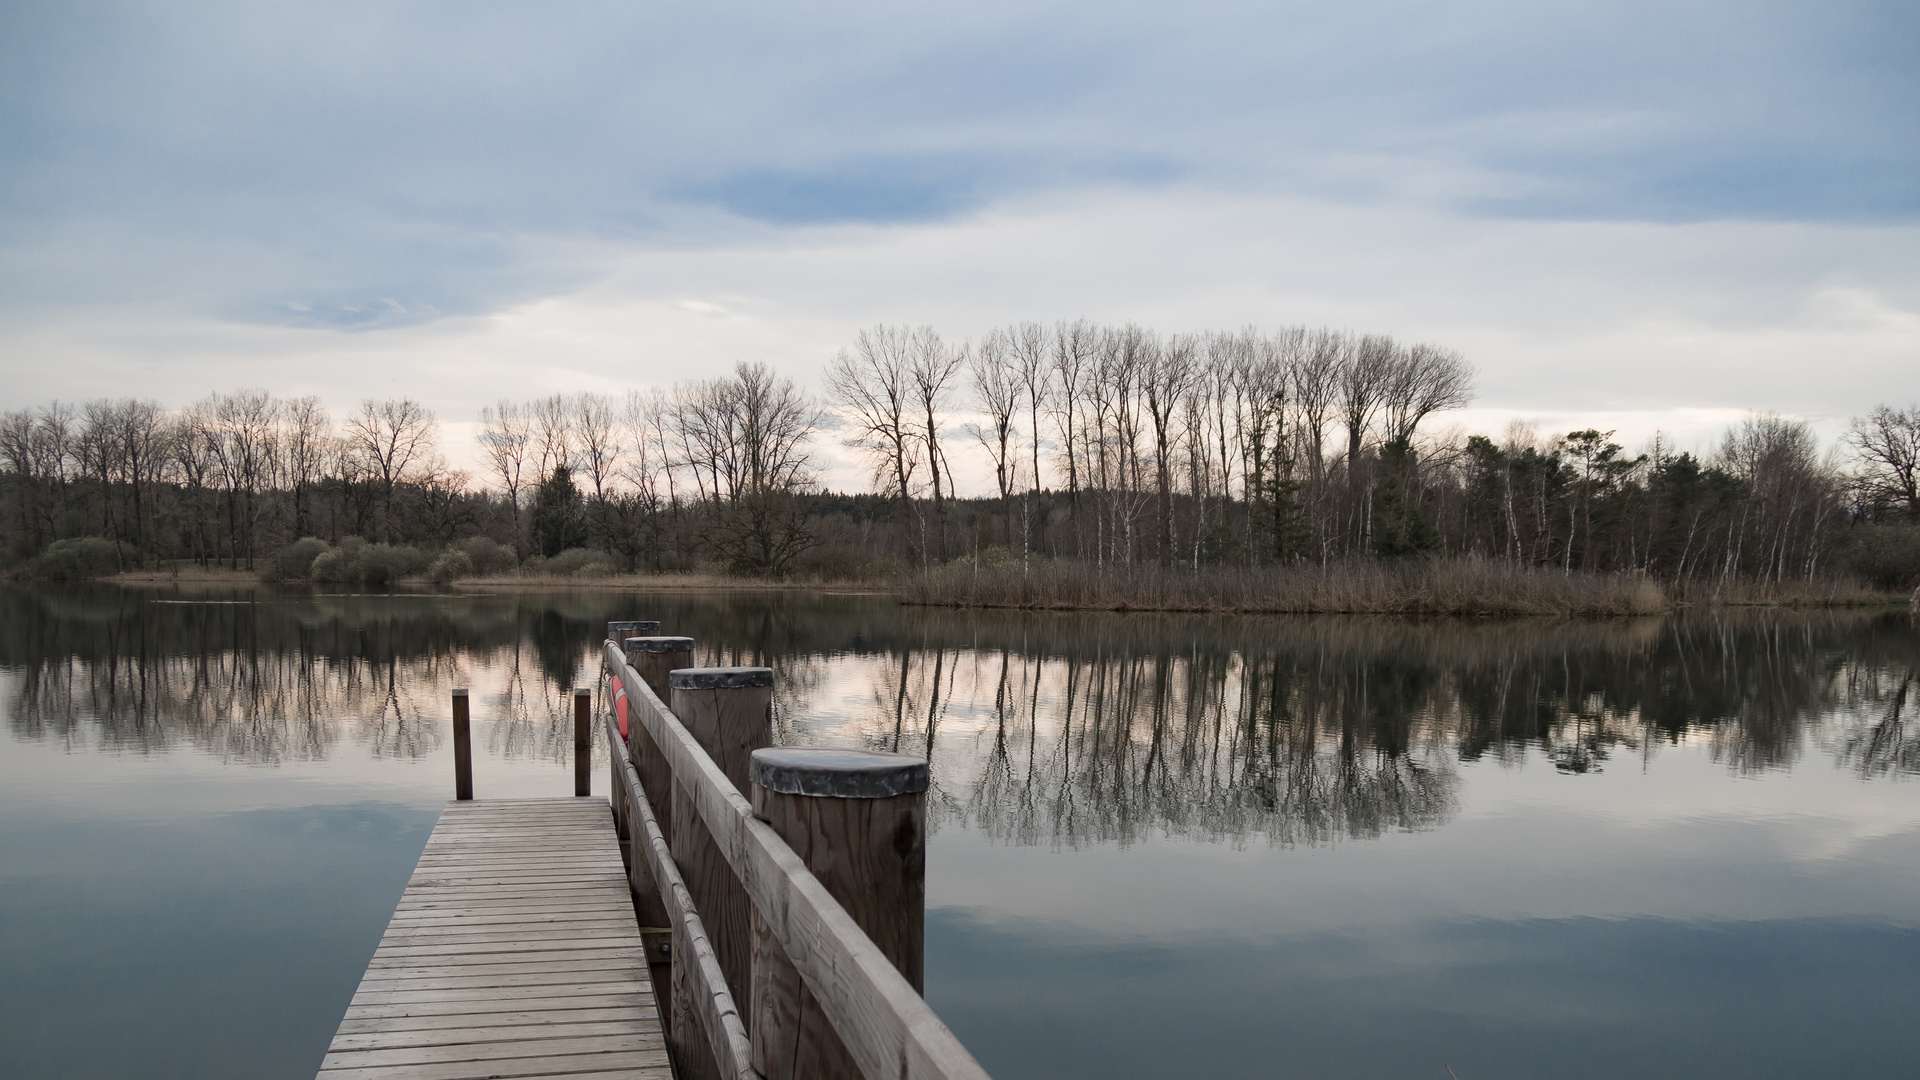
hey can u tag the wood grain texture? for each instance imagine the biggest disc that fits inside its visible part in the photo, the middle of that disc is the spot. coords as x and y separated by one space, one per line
886 1025
513 952
870 853
706 1033
729 723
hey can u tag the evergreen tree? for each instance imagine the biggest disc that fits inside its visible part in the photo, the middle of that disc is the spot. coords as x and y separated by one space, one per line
558 519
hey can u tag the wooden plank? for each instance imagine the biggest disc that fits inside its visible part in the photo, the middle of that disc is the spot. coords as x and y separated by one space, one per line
493 1051
639 1017
889 1029
449 1002
497 1030
642 1065
514 952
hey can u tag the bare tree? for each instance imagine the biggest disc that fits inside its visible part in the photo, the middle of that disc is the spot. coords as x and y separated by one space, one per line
1316 385
552 434
1423 380
599 450
997 394
1029 344
1886 443
1362 382
390 438
934 367
1166 371
505 442
1074 345
749 433
306 442
872 383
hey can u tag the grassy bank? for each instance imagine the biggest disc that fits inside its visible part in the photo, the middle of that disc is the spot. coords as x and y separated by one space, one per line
1449 587
1452 587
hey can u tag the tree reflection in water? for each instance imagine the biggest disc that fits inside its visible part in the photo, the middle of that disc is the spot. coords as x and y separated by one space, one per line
1043 728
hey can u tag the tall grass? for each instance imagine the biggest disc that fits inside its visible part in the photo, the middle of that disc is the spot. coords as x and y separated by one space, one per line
1450 587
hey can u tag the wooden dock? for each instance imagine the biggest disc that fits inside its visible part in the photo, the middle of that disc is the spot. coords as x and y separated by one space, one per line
513 953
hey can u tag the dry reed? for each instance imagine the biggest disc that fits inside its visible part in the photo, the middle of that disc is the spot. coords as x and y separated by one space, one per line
1449 587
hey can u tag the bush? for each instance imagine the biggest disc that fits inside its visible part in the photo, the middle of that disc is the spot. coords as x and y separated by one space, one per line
81 559
573 562
451 564
487 557
1887 556
295 561
355 560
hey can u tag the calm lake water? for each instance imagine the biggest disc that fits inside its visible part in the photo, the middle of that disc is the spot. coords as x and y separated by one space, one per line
1163 846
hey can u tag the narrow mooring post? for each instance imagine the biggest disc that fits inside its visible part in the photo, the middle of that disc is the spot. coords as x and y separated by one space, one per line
729 712
858 819
462 749
583 741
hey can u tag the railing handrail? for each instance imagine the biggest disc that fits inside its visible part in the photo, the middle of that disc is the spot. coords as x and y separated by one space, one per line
884 1023
719 1012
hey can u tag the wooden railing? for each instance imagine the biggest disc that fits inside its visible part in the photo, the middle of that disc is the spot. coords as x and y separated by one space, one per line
852 1009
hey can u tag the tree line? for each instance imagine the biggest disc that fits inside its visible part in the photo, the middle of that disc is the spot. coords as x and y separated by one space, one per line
1117 445
1108 445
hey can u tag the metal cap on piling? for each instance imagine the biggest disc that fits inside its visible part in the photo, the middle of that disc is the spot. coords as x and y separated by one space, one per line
823 772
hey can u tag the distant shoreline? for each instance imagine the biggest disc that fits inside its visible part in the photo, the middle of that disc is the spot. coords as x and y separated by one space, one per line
1448 588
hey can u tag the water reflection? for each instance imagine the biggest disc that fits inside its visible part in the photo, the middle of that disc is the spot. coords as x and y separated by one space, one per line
1043 729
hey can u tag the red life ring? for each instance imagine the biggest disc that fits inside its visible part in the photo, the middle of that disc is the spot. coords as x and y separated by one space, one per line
620 705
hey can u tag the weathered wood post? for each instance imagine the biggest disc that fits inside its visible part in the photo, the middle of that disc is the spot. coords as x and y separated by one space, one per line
462 749
729 712
622 629
858 819
652 658
619 630
582 741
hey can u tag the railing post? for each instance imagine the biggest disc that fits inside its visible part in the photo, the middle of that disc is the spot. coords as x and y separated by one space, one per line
462 749
729 712
582 741
858 819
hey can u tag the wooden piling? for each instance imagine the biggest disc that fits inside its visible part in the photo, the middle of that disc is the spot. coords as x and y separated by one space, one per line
582 741
729 712
858 820
652 658
622 629
462 749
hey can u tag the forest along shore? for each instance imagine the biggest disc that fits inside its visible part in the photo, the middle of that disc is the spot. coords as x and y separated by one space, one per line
1432 587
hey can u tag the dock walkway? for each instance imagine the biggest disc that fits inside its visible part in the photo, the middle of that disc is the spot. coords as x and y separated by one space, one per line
514 953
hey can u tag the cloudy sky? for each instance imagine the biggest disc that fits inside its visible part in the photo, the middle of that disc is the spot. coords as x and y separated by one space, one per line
1633 215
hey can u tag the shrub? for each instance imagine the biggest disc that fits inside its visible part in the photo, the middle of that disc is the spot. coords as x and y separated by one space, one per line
81 558
356 560
576 562
295 561
487 557
452 563
1888 556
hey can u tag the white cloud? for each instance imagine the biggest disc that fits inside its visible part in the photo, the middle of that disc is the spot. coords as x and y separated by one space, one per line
1624 326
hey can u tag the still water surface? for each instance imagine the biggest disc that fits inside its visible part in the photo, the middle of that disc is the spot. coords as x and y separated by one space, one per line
1163 846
